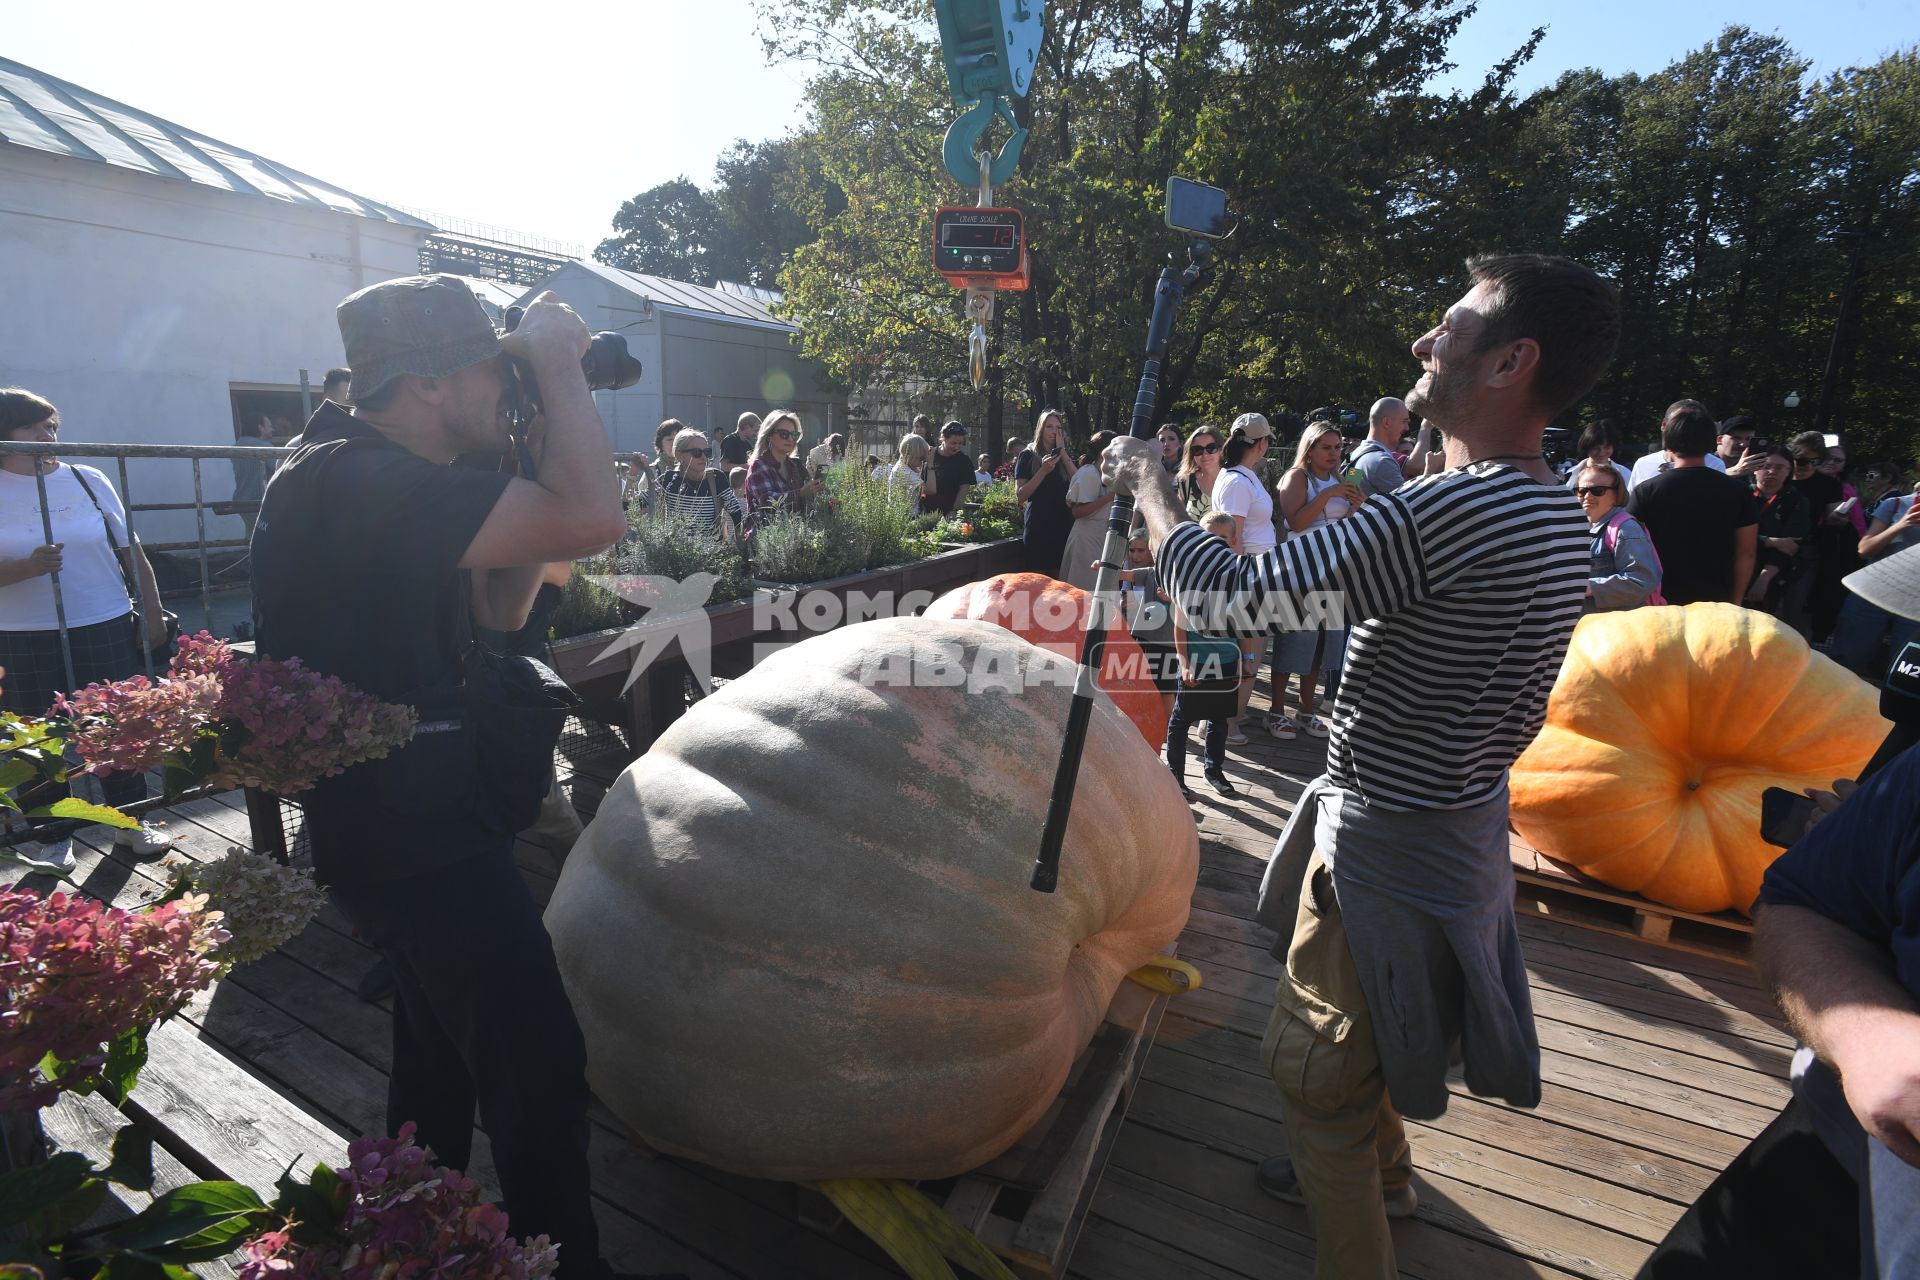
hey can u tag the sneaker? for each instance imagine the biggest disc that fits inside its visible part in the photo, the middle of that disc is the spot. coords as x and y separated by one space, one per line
1276 1177
1217 779
55 856
1316 727
1236 736
1283 727
144 841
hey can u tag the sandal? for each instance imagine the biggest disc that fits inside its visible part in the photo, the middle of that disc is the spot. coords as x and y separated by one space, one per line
1316 727
1283 727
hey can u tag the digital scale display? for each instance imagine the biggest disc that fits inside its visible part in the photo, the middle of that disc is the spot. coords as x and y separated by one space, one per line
972 242
958 236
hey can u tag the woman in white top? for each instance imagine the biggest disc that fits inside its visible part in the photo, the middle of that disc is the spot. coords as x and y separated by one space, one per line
1312 495
88 522
1241 493
907 477
1089 500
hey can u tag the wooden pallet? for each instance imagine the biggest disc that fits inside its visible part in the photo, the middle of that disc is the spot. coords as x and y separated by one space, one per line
1029 1204
1555 891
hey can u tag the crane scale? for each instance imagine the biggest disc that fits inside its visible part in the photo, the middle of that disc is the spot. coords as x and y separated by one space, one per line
991 48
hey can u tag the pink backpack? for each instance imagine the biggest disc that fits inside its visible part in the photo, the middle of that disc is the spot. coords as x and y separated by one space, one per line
1610 532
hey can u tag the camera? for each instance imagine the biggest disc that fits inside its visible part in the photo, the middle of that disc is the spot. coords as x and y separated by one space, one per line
607 366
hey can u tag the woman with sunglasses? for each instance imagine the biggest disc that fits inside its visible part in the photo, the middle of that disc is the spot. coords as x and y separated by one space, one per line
1838 535
775 479
696 492
1626 568
1831 548
1199 468
1786 523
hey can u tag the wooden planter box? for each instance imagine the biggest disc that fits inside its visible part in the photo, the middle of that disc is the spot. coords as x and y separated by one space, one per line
737 627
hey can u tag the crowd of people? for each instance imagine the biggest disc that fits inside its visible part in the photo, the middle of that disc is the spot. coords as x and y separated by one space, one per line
1370 556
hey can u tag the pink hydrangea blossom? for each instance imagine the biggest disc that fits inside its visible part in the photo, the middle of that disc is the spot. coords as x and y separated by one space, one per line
272 725
404 1218
75 974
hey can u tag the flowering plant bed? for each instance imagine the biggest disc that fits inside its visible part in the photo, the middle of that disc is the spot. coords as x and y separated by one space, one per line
213 718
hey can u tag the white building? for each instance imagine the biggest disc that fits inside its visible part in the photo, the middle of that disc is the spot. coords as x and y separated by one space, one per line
707 355
161 285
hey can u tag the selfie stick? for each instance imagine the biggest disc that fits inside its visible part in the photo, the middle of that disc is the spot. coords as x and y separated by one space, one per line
1106 587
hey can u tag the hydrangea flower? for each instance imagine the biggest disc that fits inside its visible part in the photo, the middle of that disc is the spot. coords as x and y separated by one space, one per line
76 974
404 1217
268 724
263 902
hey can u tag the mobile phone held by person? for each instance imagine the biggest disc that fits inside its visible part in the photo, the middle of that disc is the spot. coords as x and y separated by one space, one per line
1783 816
1355 477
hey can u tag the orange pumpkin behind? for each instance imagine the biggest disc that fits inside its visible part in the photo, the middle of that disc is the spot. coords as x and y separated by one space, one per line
1053 614
1663 729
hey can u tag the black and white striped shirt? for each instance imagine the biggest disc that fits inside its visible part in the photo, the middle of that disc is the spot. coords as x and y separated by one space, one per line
697 501
1462 589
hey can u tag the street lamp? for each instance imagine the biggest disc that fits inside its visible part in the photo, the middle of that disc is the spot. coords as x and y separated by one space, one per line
1792 401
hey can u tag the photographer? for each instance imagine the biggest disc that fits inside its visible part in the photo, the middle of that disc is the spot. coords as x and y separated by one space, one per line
1391 887
375 561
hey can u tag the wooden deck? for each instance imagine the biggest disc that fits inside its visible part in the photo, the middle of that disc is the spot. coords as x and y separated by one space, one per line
1659 1066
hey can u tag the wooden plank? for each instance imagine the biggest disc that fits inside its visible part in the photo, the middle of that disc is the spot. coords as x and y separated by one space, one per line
1199 1191
1595 1113
1216 1122
1534 1139
222 1120
88 1123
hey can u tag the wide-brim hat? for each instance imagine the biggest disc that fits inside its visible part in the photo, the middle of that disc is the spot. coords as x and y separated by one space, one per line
431 326
1891 582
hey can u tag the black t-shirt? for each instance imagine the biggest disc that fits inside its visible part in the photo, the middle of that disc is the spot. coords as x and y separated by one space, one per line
356 572
1691 513
950 475
734 450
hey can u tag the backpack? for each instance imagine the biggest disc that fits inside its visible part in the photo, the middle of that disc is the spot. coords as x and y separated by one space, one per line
1610 534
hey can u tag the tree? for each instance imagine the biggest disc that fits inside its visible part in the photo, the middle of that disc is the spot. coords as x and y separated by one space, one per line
674 230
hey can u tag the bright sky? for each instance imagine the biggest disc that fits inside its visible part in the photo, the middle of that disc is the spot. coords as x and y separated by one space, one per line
543 118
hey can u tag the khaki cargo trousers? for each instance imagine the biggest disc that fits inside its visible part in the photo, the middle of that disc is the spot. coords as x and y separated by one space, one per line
1348 1144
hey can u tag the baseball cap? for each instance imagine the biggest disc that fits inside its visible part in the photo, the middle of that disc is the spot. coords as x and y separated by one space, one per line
431 326
1891 582
1253 426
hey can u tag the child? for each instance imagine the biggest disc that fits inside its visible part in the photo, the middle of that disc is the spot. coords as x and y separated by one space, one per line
1209 688
738 479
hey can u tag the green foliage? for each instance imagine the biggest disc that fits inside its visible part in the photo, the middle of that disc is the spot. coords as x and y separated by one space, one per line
1727 194
794 548
585 607
743 229
670 546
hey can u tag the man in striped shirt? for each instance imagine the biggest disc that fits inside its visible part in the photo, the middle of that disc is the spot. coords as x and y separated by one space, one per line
1391 888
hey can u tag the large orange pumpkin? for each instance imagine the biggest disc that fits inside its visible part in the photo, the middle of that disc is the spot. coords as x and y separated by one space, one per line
1053 614
1665 726
799 934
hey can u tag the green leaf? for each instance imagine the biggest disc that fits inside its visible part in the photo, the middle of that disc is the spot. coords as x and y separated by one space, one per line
194 1223
14 773
38 1187
125 1056
132 1164
133 1266
314 1206
73 807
